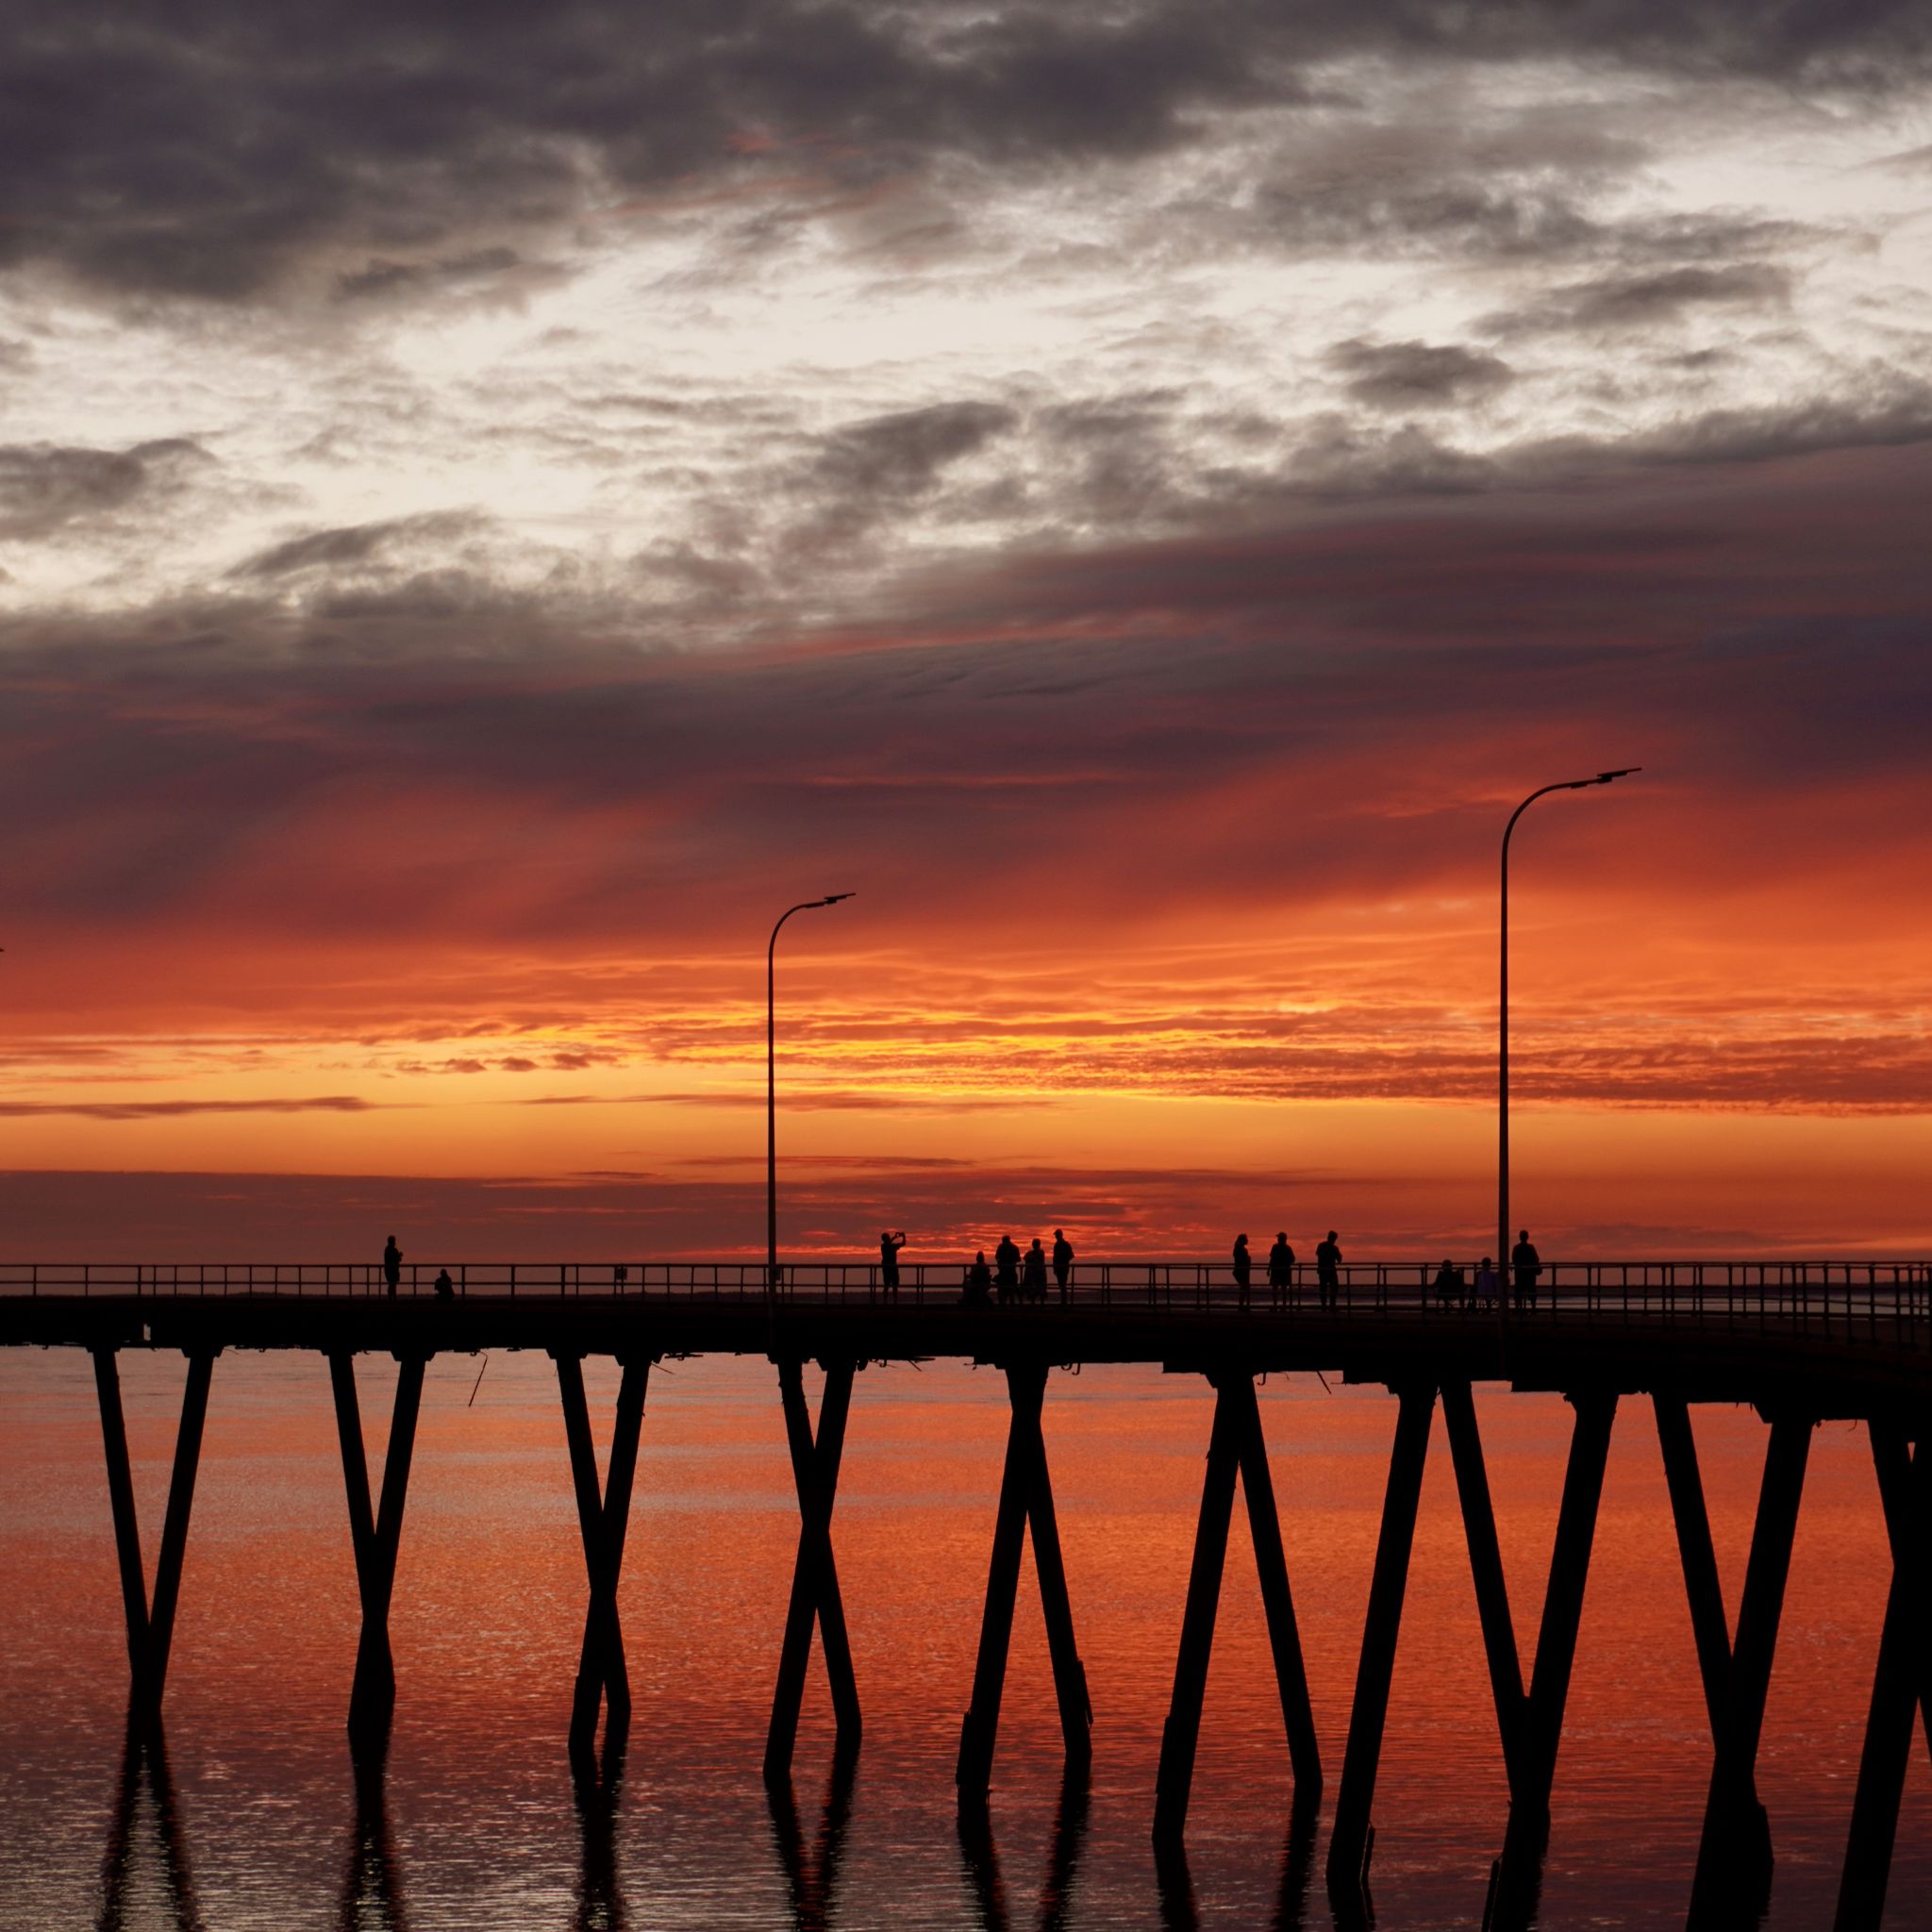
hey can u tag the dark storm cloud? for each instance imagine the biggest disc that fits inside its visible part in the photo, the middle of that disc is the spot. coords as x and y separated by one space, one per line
46 485
208 147
1408 376
355 544
1612 303
406 278
1897 412
876 469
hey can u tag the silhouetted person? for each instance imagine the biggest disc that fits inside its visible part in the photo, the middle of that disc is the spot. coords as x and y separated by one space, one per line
1485 1282
1525 1264
889 1245
1005 1269
1280 1269
445 1288
1033 1279
980 1280
1448 1284
1329 1271
1062 1259
618 1275
392 1263
1242 1269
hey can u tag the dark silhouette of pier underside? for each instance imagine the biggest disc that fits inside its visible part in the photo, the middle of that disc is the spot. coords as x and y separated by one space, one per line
1801 1342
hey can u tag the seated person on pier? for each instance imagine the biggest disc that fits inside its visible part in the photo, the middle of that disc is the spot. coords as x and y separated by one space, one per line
445 1288
979 1281
1449 1285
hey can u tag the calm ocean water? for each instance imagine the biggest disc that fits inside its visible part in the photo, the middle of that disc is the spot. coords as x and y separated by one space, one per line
259 1823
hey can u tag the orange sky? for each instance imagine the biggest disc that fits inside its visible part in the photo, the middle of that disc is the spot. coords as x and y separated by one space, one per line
440 626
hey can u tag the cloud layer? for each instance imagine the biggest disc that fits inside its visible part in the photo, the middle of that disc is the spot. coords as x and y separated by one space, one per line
215 148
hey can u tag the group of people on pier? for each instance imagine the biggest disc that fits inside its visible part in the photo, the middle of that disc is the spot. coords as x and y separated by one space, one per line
1455 1291
1281 1265
1014 1276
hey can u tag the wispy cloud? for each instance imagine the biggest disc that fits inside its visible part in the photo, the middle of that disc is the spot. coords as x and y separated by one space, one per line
179 1110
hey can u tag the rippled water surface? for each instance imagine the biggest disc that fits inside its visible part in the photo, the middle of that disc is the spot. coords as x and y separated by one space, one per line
255 1820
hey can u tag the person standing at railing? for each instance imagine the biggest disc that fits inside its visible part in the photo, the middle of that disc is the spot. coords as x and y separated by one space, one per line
889 1245
1062 1259
1242 1270
1006 1267
1329 1271
1525 1264
392 1263
1033 1277
1280 1269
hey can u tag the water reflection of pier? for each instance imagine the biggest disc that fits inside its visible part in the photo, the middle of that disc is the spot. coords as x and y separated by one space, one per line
146 1823
1802 1343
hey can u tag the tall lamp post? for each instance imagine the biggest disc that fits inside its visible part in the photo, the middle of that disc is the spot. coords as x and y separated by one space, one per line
1504 1282
771 1090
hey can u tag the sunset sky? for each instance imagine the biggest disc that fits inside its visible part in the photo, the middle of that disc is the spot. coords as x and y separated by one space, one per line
497 502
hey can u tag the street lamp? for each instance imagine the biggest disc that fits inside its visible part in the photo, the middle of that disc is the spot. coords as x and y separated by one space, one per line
772 1091
1504 1283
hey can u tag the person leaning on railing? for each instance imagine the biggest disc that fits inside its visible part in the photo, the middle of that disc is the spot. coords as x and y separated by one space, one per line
1280 1269
1329 1271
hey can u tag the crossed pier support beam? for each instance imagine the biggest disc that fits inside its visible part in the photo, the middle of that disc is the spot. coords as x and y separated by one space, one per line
151 1622
815 1598
1235 1446
377 1536
603 1521
1026 1500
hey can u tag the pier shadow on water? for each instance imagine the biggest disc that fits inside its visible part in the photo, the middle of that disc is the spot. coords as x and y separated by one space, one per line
371 1898
811 1870
1181 1909
147 1835
1063 1859
596 1786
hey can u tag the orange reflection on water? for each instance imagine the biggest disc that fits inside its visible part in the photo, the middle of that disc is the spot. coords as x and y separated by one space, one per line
480 1828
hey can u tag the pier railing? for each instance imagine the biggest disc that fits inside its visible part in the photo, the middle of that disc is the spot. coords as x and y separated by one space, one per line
1895 1295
